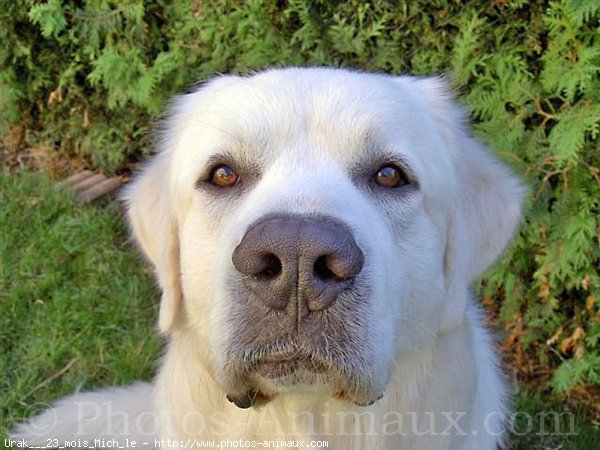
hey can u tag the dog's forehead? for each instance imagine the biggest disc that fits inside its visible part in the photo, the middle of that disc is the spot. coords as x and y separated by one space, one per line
305 116
311 95
336 112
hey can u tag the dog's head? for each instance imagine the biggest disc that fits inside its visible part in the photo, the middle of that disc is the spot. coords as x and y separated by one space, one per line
315 225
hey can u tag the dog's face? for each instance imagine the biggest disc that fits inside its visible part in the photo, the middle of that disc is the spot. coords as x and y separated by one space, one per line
317 226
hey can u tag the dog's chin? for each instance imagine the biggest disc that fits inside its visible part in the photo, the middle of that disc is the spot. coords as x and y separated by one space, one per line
272 377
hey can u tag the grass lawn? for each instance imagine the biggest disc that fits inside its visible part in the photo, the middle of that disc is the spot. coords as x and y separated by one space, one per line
77 304
78 307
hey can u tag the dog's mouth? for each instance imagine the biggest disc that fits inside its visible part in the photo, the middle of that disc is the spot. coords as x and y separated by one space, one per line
268 374
283 365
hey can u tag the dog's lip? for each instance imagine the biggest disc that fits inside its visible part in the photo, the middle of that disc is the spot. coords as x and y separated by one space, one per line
280 356
282 363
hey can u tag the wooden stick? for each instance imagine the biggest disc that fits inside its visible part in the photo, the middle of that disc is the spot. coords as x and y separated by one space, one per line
99 190
89 182
74 179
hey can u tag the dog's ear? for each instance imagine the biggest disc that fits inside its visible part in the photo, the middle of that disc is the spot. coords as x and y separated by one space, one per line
481 223
153 224
484 212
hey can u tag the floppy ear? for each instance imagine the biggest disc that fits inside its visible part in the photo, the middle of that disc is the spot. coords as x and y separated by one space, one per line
154 227
484 212
482 221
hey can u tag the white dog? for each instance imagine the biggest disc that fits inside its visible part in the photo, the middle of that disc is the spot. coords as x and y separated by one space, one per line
314 233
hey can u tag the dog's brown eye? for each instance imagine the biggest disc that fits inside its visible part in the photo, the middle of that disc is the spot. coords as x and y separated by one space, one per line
223 176
389 176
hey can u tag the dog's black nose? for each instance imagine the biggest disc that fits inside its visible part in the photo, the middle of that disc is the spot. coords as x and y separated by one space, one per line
310 260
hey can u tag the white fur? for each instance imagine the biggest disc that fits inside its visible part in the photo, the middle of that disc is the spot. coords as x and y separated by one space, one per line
306 129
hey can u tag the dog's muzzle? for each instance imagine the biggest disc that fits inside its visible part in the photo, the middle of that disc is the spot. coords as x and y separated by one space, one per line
301 303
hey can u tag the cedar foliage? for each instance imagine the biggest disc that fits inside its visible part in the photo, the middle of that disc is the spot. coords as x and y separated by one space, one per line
90 77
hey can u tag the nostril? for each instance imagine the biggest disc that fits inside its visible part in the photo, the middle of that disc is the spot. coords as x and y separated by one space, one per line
322 270
339 266
271 266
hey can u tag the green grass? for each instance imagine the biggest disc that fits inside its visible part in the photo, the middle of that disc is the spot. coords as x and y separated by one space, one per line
76 306
77 309
544 424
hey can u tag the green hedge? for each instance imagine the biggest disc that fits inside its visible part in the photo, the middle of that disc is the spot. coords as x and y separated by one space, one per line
90 77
